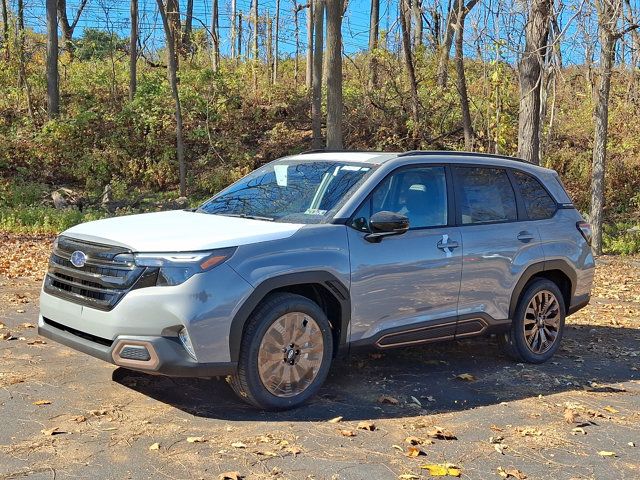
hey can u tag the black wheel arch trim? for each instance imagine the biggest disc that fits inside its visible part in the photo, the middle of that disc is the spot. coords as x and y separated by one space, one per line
333 285
540 267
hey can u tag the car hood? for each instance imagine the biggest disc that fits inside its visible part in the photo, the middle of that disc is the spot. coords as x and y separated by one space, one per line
179 231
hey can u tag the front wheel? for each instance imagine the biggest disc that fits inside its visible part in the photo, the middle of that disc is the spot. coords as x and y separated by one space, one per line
538 323
285 354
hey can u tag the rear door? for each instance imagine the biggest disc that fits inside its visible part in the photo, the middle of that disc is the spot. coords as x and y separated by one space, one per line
404 289
499 243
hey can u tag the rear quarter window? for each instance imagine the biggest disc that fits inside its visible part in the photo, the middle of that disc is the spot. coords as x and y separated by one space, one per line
486 195
537 201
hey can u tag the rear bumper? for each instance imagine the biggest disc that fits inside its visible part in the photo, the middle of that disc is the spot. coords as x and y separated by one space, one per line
166 355
578 302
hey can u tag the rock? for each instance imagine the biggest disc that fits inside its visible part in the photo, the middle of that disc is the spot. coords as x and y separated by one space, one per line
59 202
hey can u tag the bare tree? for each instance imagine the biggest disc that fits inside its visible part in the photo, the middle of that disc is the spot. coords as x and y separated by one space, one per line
374 34
24 82
173 18
316 95
187 28
461 81
309 64
335 10
239 34
296 33
269 45
405 19
255 29
530 72
172 74
445 48
215 36
5 27
53 88
133 50
276 50
69 27
233 29
416 8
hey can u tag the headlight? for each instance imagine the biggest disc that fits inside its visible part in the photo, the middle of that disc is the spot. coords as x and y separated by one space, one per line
177 268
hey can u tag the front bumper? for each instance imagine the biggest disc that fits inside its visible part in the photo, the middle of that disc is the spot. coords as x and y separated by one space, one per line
166 356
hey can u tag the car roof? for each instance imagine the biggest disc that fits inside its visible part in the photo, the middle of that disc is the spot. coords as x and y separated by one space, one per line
420 156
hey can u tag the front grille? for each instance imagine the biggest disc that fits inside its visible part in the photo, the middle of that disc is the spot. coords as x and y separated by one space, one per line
101 282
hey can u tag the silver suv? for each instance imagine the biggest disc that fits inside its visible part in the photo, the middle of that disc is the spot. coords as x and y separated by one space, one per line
317 253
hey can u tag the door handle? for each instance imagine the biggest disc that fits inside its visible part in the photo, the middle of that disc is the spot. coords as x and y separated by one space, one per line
525 236
449 244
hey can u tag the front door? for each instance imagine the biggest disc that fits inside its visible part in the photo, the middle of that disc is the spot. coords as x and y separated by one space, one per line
404 289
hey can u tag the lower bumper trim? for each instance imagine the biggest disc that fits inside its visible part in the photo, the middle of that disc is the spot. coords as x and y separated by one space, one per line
169 357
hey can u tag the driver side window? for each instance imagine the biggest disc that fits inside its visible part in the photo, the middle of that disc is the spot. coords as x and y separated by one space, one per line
418 193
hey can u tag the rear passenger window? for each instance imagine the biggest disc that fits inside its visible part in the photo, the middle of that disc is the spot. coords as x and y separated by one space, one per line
486 195
537 201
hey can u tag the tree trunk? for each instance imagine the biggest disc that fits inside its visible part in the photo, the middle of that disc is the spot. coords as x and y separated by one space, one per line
309 64
239 34
269 46
188 27
172 73
133 51
442 75
374 33
69 27
215 36
335 10
417 18
296 32
461 81
608 14
276 46
24 81
255 30
53 88
5 28
408 64
316 96
530 72
233 29
173 19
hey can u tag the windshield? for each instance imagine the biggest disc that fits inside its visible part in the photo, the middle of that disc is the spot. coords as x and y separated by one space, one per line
289 191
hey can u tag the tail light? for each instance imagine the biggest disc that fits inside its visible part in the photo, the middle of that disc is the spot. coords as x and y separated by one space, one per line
586 231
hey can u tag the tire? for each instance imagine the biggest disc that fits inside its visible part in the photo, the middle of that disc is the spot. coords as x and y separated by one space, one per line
260 378
541 296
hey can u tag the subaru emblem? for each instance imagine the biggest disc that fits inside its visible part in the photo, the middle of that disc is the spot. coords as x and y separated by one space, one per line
78 259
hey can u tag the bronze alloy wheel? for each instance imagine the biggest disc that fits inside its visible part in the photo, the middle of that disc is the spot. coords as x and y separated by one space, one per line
290 354
542 322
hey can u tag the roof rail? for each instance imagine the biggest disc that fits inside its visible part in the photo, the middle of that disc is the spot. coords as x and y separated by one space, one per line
461 154
341 150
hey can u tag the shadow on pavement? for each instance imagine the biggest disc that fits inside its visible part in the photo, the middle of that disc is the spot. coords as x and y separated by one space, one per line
589 356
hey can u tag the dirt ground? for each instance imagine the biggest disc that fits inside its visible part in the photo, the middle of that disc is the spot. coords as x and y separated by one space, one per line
66 415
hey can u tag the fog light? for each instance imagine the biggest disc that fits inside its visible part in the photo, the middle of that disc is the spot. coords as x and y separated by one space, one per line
186 342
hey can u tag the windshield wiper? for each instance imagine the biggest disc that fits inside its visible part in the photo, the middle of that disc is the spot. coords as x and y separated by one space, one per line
244 215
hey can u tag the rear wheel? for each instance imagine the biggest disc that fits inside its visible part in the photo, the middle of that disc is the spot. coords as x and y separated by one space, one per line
285 353
538 323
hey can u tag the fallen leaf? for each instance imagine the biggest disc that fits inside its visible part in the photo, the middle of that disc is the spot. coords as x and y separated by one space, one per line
37 341
266 453
335 420
631 444
196 439
367 425
408 476
238 445
495 428
42 402
610 409
417 441
414 452
294 450
7 336
52 431
529 432
496 439
347 433
99 413
570 415
511 472
500 448
441 433
80 419
154 446
467 377
20 310
27 325
442 470
578 431
604 453
397 447
230 476
388 399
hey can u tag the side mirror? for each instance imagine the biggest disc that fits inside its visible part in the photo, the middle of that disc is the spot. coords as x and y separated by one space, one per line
385 224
